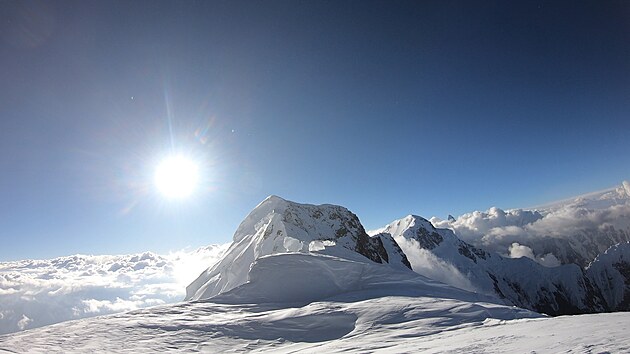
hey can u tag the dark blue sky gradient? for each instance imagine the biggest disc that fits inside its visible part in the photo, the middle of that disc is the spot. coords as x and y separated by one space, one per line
387 108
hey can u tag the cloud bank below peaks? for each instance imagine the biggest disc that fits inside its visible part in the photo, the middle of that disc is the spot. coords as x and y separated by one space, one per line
571 231
35 293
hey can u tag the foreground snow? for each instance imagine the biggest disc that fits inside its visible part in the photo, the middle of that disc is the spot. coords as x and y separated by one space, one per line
279 226
308 278
327 304
383 324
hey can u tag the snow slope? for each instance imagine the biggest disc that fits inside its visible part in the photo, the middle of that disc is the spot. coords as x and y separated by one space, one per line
521 282
390 324
303 278
278 226
292 301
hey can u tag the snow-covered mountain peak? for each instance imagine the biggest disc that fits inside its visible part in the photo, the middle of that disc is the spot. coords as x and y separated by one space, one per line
300 224
279 226
419 229
439 254
615 196
621 193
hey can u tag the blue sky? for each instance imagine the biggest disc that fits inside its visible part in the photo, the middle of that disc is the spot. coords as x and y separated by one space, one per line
387 108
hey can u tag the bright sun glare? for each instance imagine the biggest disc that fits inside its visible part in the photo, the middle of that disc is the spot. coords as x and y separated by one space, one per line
176 176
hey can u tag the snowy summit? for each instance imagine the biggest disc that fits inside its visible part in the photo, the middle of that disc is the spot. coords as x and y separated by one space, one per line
308 277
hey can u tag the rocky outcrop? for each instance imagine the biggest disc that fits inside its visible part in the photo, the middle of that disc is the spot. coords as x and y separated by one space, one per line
521 282
610 272
279 226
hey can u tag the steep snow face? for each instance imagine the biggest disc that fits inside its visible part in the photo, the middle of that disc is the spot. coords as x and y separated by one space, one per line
439 254
300 278
279 226
610 272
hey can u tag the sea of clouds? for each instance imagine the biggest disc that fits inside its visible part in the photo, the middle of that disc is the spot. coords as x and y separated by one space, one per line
35 293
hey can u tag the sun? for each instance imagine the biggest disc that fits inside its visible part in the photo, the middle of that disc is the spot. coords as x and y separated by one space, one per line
176 176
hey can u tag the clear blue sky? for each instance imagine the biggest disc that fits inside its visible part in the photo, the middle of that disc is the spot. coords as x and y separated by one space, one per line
387 108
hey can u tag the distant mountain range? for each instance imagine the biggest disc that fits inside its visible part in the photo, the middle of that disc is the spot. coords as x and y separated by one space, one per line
575 230
309 277
277 226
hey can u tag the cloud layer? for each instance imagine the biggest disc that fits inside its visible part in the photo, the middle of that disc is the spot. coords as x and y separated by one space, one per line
34 293
585 224
517 250
424 262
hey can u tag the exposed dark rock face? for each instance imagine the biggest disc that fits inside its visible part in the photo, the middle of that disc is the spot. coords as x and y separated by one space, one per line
624 269
277 226
428 239
372 248
521 281
580 248
471 252
349 226
610 274
393 249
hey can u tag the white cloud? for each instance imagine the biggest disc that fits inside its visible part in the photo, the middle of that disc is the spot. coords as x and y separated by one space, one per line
34 293
548 260
497 230
517 251
23 322
426 263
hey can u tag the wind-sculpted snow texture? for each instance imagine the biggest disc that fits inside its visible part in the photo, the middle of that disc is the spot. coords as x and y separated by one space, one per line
572 231
388 324
292 301
278 226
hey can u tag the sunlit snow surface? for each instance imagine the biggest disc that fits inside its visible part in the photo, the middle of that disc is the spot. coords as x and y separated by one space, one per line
385 311
386 324
285 298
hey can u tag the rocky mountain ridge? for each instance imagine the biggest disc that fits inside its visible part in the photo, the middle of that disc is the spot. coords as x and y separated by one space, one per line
277 227
566 289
